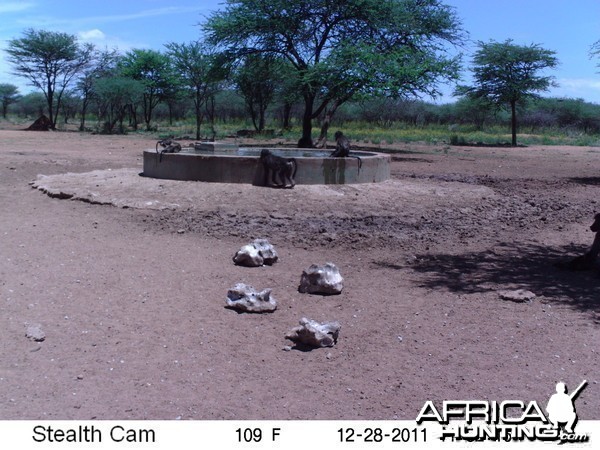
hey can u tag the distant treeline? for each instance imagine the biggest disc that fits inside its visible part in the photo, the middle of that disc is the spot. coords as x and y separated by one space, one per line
537 115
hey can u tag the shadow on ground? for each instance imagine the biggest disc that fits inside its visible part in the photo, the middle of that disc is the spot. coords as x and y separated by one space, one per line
411 159
586 181
510 266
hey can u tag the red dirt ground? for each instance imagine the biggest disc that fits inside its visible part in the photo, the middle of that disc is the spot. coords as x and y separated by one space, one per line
131 297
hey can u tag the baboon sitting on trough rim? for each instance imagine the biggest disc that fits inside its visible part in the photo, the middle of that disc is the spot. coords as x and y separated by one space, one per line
586 261
169 146
342 148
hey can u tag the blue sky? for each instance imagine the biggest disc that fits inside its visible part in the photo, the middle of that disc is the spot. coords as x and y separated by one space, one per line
568 27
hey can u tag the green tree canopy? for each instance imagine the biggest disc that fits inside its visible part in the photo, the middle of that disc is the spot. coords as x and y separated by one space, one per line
103 64
506 75
114 94
154 70
340 49
9 93
595 50
50 61
199 72
257 80
32 104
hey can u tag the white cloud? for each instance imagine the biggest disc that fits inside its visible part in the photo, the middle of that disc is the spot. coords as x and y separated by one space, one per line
580 84
170 10
92 35
56 22
585 88
11 7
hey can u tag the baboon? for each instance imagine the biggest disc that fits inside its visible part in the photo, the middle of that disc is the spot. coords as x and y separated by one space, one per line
164 143
305 143
285 168
342 148
342 145
595 227
169 146
586 261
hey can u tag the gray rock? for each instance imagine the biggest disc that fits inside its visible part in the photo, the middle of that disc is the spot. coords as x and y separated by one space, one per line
321 279
247 299
256 254
266 250
315 334
520 295
248 256
35 333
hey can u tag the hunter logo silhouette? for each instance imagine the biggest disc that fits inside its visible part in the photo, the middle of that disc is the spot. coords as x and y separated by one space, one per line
561 407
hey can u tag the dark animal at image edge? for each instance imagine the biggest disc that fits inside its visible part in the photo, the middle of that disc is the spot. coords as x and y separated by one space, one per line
169 146
586 261
342 148
275 165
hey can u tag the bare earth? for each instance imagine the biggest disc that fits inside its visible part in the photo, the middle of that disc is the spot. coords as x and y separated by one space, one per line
129 285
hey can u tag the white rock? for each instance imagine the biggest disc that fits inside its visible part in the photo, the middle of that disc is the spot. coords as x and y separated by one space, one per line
256 254
321 279
248 256
247 299
520 295
315 334
266 250
35 333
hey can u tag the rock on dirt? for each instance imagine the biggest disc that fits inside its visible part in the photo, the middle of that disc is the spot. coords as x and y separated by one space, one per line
519 295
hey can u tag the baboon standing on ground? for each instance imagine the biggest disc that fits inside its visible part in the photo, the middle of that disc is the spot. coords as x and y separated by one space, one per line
586 262
285 168
342 148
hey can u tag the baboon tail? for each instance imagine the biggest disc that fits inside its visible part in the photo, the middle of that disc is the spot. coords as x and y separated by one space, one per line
359 161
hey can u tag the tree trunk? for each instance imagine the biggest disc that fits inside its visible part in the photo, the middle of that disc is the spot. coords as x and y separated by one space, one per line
306 139
287 112
210 113
121 117
83 113
50 100
261 116
133 119
252 111
513 110
148 107
322 141
198 121
56 114
198 111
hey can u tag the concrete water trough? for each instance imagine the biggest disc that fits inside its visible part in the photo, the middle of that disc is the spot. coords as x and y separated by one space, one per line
226 163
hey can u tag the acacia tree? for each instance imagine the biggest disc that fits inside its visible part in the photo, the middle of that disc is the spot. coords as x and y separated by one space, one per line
341 49
196 66
103 63
32 104
595 50
506 75
153 69
50 61
114 96
257 80
9 94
